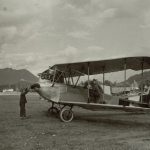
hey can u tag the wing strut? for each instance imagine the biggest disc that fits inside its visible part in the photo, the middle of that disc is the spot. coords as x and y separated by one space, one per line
77 81
142 66
54 77
103 81
88 81
125 72
103 78
57 78
65 78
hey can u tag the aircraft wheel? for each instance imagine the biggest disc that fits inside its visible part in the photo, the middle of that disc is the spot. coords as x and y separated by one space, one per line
53 110
66 115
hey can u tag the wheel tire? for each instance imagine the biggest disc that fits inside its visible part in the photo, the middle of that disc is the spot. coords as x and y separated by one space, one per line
66 115
53 110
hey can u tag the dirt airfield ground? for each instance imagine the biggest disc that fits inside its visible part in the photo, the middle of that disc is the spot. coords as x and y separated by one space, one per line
105 130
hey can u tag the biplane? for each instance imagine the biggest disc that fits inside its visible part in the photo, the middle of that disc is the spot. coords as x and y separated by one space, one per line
64 92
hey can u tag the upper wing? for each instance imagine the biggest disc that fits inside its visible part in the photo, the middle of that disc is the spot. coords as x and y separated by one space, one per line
101 66
110 65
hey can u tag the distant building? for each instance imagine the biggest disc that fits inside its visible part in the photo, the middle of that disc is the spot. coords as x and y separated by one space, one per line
7 90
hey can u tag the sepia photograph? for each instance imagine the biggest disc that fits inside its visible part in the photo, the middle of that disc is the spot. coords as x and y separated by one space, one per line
74 74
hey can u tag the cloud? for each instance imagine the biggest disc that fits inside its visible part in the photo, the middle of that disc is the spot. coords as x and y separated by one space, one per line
79 15
143 51
95 48
146 18
79 34
98 18
22 20
20 12
69 54
35 34
21 60
7 34
93 52
16 17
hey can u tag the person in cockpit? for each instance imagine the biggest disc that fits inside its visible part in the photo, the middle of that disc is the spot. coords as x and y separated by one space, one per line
97 91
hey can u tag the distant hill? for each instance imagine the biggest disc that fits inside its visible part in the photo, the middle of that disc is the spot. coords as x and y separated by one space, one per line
11 76
132 79
16 78
138 77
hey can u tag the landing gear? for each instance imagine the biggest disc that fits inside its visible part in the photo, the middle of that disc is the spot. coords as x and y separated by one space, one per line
66 114
53 110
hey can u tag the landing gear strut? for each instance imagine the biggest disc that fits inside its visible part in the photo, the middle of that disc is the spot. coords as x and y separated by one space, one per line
53 110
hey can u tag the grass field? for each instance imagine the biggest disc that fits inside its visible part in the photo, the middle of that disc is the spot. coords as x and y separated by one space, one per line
88 131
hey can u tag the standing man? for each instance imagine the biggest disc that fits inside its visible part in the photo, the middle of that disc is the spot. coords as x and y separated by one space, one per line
22 103
98 92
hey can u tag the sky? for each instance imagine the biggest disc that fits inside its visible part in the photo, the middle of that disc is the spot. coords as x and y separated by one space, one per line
35 34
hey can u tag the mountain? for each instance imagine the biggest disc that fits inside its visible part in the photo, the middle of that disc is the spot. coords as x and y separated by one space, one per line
9 76
137 78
